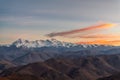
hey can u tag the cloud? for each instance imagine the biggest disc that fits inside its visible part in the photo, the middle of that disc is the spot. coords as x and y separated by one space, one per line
98 36
90 28
102 42
89 35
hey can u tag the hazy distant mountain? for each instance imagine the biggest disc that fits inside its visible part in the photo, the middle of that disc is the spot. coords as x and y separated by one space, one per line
25 51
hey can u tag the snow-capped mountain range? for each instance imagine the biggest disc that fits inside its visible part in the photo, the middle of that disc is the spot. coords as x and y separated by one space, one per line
24 51
41 43
49 43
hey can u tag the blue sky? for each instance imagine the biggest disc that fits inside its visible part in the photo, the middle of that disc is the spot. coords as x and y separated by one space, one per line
33 19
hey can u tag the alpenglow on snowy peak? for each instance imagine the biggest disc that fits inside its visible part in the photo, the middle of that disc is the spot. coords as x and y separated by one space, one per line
49 43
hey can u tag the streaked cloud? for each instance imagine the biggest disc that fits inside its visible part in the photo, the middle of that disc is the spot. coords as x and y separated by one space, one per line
90 35
98 36
102 42
94 27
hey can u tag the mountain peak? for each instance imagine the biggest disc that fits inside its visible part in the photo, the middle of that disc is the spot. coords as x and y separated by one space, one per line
21 40
49 43
40 43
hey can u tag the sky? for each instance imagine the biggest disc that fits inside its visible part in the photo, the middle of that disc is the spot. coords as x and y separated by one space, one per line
38 19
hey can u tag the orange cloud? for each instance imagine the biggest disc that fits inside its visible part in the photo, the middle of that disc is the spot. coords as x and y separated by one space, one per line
89 34
99 36
102 42
100 26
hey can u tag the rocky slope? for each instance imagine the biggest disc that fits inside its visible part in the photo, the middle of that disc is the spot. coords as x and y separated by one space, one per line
112 77
87 68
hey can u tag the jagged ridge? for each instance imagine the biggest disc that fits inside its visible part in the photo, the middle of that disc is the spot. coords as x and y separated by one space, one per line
48 43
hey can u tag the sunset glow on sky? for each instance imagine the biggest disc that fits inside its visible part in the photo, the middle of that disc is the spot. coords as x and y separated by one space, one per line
78 21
